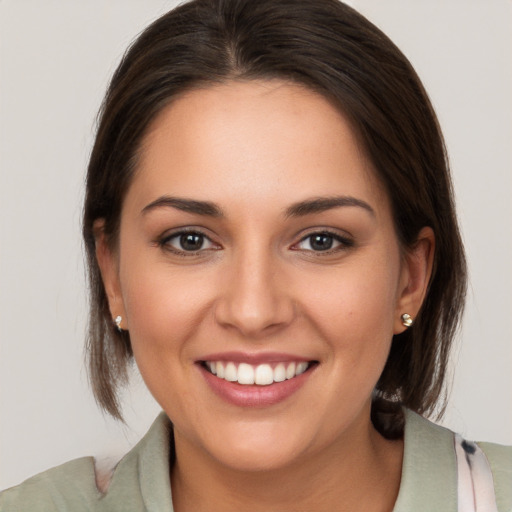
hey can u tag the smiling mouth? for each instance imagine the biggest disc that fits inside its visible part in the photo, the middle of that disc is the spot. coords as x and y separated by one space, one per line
259 375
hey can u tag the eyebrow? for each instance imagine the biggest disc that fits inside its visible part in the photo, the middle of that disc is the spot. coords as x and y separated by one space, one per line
300 209
205 208
322 204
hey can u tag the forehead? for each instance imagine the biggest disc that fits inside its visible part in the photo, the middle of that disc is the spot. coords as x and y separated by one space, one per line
258 140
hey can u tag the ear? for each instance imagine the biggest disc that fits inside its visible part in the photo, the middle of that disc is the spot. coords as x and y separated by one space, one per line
108 262
415 277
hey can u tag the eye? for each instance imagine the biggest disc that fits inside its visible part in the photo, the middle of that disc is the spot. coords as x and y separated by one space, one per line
323 242
188 241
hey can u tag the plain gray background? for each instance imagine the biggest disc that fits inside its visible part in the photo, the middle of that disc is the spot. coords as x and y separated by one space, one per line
55 61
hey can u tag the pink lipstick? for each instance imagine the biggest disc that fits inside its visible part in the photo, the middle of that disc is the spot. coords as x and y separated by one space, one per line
255 380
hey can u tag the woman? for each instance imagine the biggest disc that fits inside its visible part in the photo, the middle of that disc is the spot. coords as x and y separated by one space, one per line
271 235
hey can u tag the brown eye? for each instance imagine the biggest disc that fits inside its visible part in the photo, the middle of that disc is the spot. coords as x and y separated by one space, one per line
188 242
321 242
191 242
324 241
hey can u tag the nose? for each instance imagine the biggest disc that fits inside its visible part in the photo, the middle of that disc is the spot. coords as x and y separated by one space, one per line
254 299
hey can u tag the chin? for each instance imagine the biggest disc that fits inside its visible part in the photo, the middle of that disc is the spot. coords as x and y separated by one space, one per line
250 448
247 458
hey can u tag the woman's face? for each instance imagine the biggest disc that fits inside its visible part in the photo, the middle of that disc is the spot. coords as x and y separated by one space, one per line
257 243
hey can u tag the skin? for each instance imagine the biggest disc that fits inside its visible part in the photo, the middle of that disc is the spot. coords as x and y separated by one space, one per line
254 149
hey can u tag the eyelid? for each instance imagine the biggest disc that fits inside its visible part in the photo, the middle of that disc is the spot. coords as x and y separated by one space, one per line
163 241
345 242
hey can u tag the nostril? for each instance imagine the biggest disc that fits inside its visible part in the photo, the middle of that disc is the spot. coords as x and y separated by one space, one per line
254 320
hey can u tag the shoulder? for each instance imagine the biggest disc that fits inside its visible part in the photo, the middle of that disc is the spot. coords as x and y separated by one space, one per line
500 460
431 468
499 456
139 479
70 486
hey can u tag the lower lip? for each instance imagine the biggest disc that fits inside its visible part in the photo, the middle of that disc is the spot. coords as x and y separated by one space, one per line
252 395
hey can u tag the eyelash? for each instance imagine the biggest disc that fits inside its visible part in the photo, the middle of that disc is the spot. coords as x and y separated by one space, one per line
165 242
343 241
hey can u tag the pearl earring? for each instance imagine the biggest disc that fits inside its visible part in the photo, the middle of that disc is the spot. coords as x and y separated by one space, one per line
407 320
118 321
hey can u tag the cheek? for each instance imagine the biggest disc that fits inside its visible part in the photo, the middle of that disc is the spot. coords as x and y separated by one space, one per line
164 315
163 306
354 309
354 298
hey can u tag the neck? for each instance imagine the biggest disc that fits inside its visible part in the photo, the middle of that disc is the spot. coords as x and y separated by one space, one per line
360 473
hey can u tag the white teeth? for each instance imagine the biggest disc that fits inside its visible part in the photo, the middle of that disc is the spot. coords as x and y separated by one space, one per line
212 367
301 368
279 373
290 371
245 374
261 375
230 372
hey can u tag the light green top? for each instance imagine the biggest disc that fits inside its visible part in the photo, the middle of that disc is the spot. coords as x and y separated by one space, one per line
141 479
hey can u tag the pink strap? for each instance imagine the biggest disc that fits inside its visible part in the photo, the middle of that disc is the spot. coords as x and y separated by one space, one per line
475 482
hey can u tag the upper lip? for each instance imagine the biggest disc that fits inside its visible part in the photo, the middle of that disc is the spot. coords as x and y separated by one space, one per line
254 358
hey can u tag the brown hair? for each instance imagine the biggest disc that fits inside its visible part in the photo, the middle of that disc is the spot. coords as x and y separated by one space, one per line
330 48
